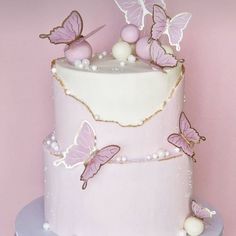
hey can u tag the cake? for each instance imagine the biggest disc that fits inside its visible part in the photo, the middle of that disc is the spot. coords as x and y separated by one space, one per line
120 159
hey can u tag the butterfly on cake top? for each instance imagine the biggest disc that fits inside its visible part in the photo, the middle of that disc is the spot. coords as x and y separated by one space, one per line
149 48
70 33
84 152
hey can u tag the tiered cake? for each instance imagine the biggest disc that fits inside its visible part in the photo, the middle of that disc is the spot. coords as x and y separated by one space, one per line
120 159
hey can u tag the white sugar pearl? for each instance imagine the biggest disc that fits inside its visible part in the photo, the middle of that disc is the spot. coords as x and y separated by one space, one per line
100 56
54 70
193 226
148 158
121 51
94 68
46 226
81 66
155 156
182 232
177 150
118 159
77 63
124 159
161 154
48 142
167 153
122 63
132 59
86 62
104 53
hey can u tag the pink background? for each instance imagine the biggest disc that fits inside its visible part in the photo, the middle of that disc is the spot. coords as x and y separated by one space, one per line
26 108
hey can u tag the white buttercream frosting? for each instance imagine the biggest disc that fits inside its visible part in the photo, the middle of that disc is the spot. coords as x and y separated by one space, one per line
127 95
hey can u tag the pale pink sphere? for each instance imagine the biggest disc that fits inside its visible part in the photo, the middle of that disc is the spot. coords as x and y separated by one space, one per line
78 51
130 33
143 48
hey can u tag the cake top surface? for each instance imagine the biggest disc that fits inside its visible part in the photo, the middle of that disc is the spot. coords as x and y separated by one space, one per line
109 65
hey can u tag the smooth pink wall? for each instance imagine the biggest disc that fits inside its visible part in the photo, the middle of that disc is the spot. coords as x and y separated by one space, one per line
26 111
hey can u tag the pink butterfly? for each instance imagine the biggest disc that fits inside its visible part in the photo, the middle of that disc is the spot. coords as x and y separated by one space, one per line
84 151
70 30
201 212
174 27
160 58
136 10
187 137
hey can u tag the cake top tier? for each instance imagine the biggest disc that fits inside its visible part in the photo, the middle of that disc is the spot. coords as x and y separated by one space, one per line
133 44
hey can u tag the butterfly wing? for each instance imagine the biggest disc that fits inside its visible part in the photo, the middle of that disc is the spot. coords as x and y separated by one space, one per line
71 29
133 10
176 29
189 133
160 57
178 141
160 22
82 148
100 158
201 212
150 3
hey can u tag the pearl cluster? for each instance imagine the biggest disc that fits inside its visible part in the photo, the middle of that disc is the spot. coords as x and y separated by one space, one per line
51 144
85 64
101 55
160 155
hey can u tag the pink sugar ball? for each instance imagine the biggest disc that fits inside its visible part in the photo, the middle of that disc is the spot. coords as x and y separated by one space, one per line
130 33
78 51
143 48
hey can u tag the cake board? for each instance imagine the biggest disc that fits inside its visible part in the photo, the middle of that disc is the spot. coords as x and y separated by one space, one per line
30 222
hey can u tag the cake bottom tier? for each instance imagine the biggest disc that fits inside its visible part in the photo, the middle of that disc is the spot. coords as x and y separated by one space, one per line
133 199
30 220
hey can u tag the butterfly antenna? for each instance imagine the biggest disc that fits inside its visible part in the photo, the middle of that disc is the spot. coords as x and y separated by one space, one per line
43 36
85 184
203 138
93 32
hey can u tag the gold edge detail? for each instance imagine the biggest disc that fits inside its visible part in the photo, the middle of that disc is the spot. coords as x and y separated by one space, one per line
66 91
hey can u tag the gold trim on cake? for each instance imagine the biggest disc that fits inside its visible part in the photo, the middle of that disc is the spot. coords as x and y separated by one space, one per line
95 117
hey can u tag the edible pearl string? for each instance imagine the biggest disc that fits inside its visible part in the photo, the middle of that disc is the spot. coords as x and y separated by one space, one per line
53 148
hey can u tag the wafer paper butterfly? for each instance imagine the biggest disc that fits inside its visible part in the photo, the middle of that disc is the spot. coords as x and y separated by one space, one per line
160 58
173 27
84 151
201 212
70 30
186 138
136 10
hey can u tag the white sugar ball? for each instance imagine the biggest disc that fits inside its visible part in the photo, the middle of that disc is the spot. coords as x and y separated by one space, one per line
161 154
122 63
94 68
80 66
54 70
46 226
132 59
193 226
104 53
86 62
77 63
121 51
182 232
100 56
168 49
